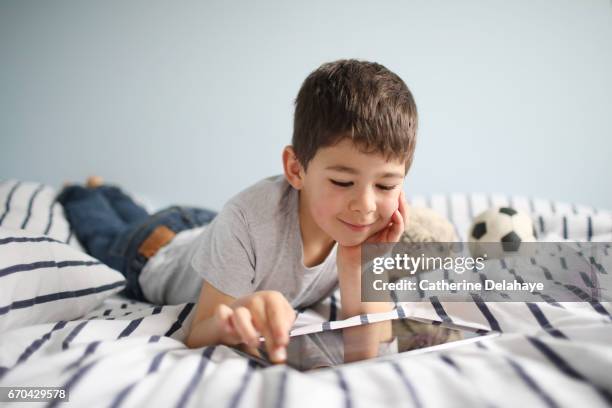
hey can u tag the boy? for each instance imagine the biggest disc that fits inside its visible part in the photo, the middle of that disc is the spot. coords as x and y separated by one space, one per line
287 241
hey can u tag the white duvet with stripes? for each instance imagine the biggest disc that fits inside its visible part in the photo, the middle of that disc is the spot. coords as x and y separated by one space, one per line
129 354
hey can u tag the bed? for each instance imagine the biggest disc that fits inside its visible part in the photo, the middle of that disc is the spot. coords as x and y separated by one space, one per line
107 350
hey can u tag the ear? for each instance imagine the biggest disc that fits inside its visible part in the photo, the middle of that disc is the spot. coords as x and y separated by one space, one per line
294 172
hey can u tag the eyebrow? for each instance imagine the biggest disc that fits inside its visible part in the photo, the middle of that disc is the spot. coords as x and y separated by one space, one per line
350 170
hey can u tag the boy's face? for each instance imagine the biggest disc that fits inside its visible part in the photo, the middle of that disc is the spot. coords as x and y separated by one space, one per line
351 195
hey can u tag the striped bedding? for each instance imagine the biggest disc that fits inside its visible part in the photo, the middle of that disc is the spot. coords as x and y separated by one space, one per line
31 206
127 353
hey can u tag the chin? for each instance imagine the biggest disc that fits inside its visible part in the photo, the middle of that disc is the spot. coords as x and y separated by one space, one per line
346 238
350 241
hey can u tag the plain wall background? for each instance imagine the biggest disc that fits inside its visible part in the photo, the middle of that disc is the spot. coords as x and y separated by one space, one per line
190 102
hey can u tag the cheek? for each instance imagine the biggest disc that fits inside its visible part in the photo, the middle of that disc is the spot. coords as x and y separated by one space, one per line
387 206
326 206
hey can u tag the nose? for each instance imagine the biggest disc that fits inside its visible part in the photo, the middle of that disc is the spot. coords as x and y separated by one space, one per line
364 201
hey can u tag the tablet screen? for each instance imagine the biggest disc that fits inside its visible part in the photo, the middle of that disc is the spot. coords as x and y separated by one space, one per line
339 346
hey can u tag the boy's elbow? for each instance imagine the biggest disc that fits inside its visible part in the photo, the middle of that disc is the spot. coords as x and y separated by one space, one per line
189 343
202 333
189 340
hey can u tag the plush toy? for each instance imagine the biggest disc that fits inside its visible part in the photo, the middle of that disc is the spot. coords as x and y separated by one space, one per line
426 225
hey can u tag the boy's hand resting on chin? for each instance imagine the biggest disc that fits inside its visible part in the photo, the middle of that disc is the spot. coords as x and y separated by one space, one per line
348 260
266 313
350 256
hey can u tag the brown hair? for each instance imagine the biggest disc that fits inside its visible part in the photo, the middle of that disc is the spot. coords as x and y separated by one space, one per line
360 100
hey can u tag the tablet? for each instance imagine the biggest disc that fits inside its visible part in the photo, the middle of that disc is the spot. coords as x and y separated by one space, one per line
362 342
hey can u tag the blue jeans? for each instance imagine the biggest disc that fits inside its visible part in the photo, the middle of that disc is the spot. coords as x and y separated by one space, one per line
112 227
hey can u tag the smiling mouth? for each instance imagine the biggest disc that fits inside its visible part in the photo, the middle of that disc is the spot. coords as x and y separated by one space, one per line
357 227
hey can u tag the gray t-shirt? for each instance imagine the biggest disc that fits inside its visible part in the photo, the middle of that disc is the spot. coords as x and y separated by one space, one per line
253 244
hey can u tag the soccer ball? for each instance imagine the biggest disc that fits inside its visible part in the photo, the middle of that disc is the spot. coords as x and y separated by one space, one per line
499 232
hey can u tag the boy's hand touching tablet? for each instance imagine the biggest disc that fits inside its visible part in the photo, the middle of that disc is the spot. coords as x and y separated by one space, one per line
265 313
220 318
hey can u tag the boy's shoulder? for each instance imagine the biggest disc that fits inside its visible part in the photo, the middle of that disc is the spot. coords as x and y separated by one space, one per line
270 198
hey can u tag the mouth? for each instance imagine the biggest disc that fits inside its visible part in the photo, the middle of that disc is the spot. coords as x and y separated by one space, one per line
356 227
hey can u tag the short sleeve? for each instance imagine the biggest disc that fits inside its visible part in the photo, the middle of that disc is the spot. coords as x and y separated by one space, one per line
224 256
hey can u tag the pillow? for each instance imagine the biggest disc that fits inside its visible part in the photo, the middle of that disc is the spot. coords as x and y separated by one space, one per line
32 207
43 280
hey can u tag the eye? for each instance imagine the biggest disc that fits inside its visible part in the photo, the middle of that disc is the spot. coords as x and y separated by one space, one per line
342 183
386 188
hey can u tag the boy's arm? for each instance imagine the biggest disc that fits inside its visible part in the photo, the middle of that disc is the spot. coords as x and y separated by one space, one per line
348 261
225 258
349 278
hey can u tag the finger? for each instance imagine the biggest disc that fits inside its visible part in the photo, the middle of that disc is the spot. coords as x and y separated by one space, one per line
277 344
403 207
260 320
278 328
223 314
279 319
401 223
244 326
396 230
